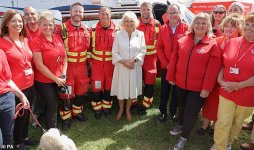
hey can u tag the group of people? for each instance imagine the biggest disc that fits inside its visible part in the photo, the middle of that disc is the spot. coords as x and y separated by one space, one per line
206 65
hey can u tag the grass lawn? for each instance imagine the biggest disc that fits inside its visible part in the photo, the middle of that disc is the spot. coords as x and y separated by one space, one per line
143 133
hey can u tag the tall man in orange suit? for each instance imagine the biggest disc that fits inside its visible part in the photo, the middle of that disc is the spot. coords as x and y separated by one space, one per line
76 39
150 27
102 36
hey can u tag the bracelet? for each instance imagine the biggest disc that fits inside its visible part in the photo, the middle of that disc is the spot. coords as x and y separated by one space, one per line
236 89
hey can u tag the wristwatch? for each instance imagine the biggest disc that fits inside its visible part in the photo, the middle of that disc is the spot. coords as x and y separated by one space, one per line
63 76
135 59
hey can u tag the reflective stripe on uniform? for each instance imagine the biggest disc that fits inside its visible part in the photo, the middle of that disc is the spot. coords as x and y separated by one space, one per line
147 102
77 109
96 105
107 104
151 52
100 59
72 53
83 53
156 29
66 38
150 46
65 114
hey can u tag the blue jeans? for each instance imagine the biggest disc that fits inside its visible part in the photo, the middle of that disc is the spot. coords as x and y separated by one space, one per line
7 111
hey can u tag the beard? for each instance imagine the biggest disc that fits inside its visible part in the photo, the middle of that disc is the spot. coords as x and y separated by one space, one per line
146 16
77 18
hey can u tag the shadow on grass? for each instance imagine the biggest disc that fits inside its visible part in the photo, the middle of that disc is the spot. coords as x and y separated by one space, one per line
143 133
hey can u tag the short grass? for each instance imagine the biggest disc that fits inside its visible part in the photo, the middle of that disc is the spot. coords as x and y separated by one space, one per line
143 133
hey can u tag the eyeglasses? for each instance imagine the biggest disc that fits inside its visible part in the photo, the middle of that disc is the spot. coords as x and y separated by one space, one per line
219 12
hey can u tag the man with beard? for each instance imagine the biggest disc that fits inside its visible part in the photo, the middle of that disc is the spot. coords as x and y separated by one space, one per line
31 17
150 27
170 32
76 40
102 35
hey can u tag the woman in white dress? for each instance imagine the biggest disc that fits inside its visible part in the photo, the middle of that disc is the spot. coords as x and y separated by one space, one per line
128 53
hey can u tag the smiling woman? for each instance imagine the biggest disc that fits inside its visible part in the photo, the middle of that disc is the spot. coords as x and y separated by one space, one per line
128 55
15 45
51 63
194 66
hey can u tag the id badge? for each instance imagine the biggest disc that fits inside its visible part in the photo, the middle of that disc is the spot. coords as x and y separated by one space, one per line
234 70
98 84
69 89
28 71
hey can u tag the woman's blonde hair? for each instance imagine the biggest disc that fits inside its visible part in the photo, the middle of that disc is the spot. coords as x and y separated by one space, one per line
129 15
205 16
235 20
46 15
239 5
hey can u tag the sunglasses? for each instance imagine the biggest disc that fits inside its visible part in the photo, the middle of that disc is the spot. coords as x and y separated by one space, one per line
219 12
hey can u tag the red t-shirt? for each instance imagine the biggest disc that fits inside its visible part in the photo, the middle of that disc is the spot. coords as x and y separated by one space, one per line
5 74
239 53
19 60
31 34
53 55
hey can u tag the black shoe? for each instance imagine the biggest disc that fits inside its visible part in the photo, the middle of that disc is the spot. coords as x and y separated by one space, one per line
141 110
211 132
80 118
201 131
30 142
66 124
174 118
21 147
97 114
107 112
163 117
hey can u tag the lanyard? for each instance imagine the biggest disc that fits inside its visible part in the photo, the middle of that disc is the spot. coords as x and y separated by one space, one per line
55 44
240 49
22 50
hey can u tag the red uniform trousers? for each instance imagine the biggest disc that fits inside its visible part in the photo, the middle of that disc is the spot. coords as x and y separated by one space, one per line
101 80
149 69
103 72
77 79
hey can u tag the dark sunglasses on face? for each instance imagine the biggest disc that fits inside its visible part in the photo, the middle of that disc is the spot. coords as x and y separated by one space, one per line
218 12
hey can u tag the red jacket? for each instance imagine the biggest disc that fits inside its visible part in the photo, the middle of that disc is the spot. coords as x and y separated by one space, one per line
78 42
195 67
245 63
103 42
150 33
167 40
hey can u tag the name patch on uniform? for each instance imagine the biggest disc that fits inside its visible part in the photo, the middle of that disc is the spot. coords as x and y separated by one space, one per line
98 84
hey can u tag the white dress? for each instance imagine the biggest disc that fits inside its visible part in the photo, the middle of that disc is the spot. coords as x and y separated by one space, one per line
127 83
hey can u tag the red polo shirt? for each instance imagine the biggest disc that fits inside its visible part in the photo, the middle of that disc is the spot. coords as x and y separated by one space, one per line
5 74
53 55
19 60
31 34
239 53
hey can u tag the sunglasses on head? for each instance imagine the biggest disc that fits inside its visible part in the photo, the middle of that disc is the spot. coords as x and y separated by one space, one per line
218 12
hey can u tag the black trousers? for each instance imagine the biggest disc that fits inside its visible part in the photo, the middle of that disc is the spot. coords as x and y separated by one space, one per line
165 90
48 93
22 122
190 104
